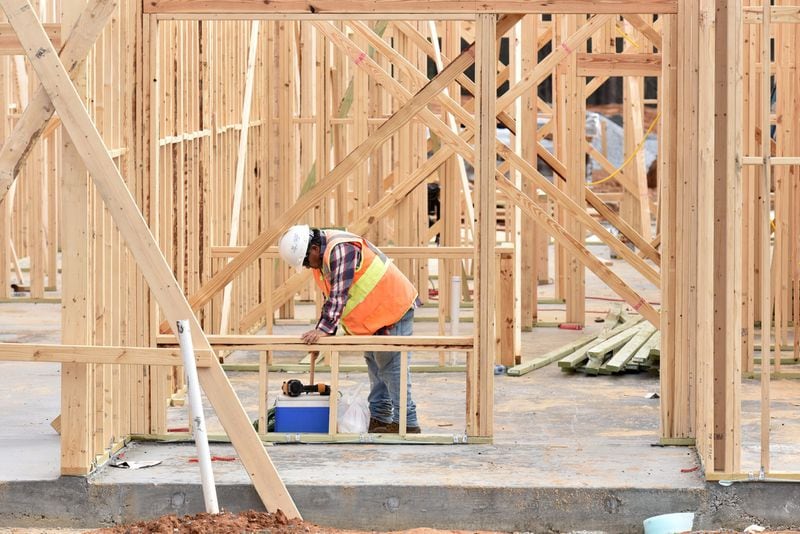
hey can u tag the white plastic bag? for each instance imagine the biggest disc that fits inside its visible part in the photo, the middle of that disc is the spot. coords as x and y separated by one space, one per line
353 411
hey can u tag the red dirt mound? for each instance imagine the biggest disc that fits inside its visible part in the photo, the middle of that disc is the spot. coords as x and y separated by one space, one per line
223 523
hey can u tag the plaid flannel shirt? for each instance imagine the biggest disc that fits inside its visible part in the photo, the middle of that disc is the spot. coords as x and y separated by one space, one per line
344 259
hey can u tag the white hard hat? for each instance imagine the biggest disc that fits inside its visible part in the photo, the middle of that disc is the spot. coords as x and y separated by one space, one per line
294 245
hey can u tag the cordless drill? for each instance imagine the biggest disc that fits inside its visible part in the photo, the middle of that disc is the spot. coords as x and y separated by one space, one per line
295 388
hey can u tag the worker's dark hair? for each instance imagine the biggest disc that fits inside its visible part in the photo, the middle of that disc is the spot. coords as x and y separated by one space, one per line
316 238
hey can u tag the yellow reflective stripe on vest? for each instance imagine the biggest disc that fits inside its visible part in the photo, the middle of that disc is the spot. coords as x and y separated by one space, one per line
366 283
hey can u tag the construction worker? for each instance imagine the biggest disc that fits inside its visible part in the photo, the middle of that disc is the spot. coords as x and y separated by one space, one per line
365 294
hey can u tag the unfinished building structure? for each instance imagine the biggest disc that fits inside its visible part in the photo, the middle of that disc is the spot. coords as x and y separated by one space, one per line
209 127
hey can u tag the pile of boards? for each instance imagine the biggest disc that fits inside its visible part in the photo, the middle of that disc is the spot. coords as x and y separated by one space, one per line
625 344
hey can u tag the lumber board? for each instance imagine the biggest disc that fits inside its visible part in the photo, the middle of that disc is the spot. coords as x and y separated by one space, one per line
131 224
76 379
728 254
27 352
579 356
324 8
778 14
643 355
618 64
292 437
344 368
668 184
764 239
556 354
550 357
480 362
611 344
342 343
626 353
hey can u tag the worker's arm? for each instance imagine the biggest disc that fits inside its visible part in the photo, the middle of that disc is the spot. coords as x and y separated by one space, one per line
344 259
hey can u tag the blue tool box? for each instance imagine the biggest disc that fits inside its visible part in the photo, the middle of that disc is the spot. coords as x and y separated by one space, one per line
307 413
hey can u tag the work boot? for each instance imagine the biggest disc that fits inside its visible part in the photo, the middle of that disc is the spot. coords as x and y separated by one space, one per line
394 428
377 427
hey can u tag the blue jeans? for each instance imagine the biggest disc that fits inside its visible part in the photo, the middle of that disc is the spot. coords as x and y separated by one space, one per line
384 379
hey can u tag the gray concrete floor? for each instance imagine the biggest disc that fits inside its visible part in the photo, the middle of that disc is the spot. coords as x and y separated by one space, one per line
571 452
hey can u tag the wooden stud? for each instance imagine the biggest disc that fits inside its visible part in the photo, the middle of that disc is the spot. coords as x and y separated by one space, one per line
75 292
764 239
480 377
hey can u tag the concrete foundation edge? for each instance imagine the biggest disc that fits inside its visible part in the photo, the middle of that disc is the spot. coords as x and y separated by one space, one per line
76 502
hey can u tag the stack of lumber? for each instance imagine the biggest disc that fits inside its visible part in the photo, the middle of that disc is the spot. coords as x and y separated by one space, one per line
625 344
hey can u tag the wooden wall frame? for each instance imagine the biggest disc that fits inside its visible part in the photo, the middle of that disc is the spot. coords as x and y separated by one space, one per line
704 342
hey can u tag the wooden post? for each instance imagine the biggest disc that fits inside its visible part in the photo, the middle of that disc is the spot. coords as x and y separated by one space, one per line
76 308
505 318
530 252
764 237
728 238
668 183
704 94
480 378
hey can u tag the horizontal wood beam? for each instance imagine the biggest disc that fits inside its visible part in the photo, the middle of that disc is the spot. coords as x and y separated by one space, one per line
778 14
774 160
10 45
25 352
338 343
407 7
391 251
619 64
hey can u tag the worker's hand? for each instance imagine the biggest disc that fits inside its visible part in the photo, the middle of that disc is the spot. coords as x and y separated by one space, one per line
312 336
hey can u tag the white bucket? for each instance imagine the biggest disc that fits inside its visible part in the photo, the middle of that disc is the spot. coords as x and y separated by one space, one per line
669 523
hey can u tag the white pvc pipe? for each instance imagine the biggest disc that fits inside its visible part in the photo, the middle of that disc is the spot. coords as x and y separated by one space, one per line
196 406
455 310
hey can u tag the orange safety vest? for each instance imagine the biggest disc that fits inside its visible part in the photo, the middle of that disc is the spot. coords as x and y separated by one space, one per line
379 296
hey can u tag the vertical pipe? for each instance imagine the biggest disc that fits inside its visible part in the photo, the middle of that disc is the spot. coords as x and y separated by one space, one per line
196 406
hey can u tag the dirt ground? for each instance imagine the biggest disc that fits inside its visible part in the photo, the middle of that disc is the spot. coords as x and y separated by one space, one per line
227 523
224 523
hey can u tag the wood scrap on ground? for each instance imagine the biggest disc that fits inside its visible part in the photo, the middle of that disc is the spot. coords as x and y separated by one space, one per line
625 344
